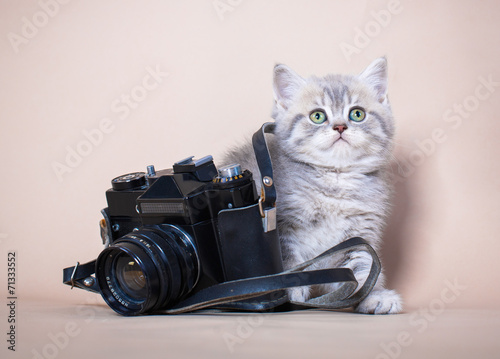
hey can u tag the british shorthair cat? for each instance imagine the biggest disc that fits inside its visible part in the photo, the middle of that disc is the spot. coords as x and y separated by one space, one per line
330 151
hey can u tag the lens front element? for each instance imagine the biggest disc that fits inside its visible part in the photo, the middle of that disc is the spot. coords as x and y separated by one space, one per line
130 278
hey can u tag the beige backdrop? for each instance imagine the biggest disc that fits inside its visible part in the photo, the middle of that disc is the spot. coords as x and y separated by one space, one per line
93 89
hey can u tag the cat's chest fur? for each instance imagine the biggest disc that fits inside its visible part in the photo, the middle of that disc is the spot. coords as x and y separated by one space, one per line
319 208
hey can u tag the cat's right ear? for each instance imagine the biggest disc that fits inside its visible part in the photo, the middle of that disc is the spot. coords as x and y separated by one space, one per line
286 83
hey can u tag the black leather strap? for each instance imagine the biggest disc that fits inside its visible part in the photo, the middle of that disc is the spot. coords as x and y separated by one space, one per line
342 297
75 276
249 288
233 291
264 163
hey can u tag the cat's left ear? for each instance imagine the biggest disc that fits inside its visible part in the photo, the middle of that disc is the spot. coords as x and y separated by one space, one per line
375 75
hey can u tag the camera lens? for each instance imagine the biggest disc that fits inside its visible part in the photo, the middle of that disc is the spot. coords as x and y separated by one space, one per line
130 277
148 269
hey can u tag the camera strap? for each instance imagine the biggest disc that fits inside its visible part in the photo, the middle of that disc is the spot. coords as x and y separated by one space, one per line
265 164
80 276
228 294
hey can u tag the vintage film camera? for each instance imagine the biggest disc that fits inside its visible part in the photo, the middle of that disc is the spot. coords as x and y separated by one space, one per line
168 235
195 236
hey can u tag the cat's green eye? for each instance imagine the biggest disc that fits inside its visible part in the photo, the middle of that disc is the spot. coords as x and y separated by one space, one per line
357 114
318 117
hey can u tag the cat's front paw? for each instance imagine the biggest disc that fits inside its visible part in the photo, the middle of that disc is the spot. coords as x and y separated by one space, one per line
382 301
299 294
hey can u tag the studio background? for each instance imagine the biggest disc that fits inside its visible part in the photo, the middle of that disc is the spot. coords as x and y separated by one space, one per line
90 90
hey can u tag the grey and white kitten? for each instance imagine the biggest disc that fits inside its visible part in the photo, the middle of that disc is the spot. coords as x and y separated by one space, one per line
330 152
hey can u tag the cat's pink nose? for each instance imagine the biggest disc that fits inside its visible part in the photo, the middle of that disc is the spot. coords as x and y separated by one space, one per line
340 128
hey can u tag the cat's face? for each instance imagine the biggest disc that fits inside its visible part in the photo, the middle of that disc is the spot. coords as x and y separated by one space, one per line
336 121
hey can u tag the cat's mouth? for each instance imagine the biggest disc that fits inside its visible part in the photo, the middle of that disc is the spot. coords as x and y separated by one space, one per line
339 140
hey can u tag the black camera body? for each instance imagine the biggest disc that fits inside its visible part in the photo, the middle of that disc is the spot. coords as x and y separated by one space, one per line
170 233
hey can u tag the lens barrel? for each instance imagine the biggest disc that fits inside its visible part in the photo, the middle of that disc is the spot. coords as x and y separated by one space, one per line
148 269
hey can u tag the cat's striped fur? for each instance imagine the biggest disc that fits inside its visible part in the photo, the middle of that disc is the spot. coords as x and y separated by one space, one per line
331 183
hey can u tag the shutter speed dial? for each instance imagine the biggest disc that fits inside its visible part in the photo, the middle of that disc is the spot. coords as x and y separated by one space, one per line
129 181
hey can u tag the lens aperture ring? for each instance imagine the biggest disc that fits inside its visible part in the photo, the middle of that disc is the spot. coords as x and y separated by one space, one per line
166 262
